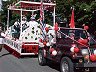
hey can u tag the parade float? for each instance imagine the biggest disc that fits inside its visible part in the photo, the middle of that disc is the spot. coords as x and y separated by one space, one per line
22 41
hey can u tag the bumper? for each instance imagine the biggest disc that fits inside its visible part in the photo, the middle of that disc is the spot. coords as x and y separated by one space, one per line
88 65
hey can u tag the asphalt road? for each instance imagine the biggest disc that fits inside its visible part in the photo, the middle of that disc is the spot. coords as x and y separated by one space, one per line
9 63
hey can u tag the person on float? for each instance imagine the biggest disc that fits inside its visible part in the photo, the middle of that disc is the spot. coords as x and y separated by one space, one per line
85 27
16 29
33 21
17 25
24 23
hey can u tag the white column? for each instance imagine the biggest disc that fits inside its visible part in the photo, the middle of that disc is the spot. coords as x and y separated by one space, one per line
21 23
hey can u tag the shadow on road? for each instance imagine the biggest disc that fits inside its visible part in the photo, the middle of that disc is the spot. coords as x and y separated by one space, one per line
54 65
30 56
4 54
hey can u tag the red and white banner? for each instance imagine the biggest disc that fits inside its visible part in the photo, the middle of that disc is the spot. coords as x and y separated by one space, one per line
42 19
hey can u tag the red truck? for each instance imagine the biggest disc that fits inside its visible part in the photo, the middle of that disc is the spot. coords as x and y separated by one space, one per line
73 48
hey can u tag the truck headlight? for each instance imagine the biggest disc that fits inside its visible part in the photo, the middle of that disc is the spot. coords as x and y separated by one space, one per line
95 52
84 51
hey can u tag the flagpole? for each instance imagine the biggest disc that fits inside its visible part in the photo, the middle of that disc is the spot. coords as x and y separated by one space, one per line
8 20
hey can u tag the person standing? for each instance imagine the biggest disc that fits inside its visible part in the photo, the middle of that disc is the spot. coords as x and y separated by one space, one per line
33 21
24 23
16 33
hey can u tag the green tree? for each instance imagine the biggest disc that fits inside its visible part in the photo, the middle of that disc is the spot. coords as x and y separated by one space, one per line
85 11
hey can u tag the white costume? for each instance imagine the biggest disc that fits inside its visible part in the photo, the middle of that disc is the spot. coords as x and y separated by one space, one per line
33 22
24 23
16 23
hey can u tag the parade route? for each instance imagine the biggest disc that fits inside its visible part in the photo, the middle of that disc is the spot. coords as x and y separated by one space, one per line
9 63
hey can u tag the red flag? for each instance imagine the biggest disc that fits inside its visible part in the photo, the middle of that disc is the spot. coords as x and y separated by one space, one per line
72 23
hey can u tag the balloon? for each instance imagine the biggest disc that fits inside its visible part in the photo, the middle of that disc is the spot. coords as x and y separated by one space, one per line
93 57
54 53
56 27
83 41
40 40
47 29
76 50
51 49
72 49
86 27
44 43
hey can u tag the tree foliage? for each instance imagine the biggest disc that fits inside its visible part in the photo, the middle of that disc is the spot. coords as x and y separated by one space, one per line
85 11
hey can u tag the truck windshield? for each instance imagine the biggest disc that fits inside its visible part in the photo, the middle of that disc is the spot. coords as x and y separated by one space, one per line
77 33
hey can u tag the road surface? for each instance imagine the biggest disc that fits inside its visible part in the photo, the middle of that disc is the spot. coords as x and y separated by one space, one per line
9 63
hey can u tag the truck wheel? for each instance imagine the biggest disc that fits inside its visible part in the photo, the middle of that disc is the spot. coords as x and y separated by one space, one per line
41 58
66 65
